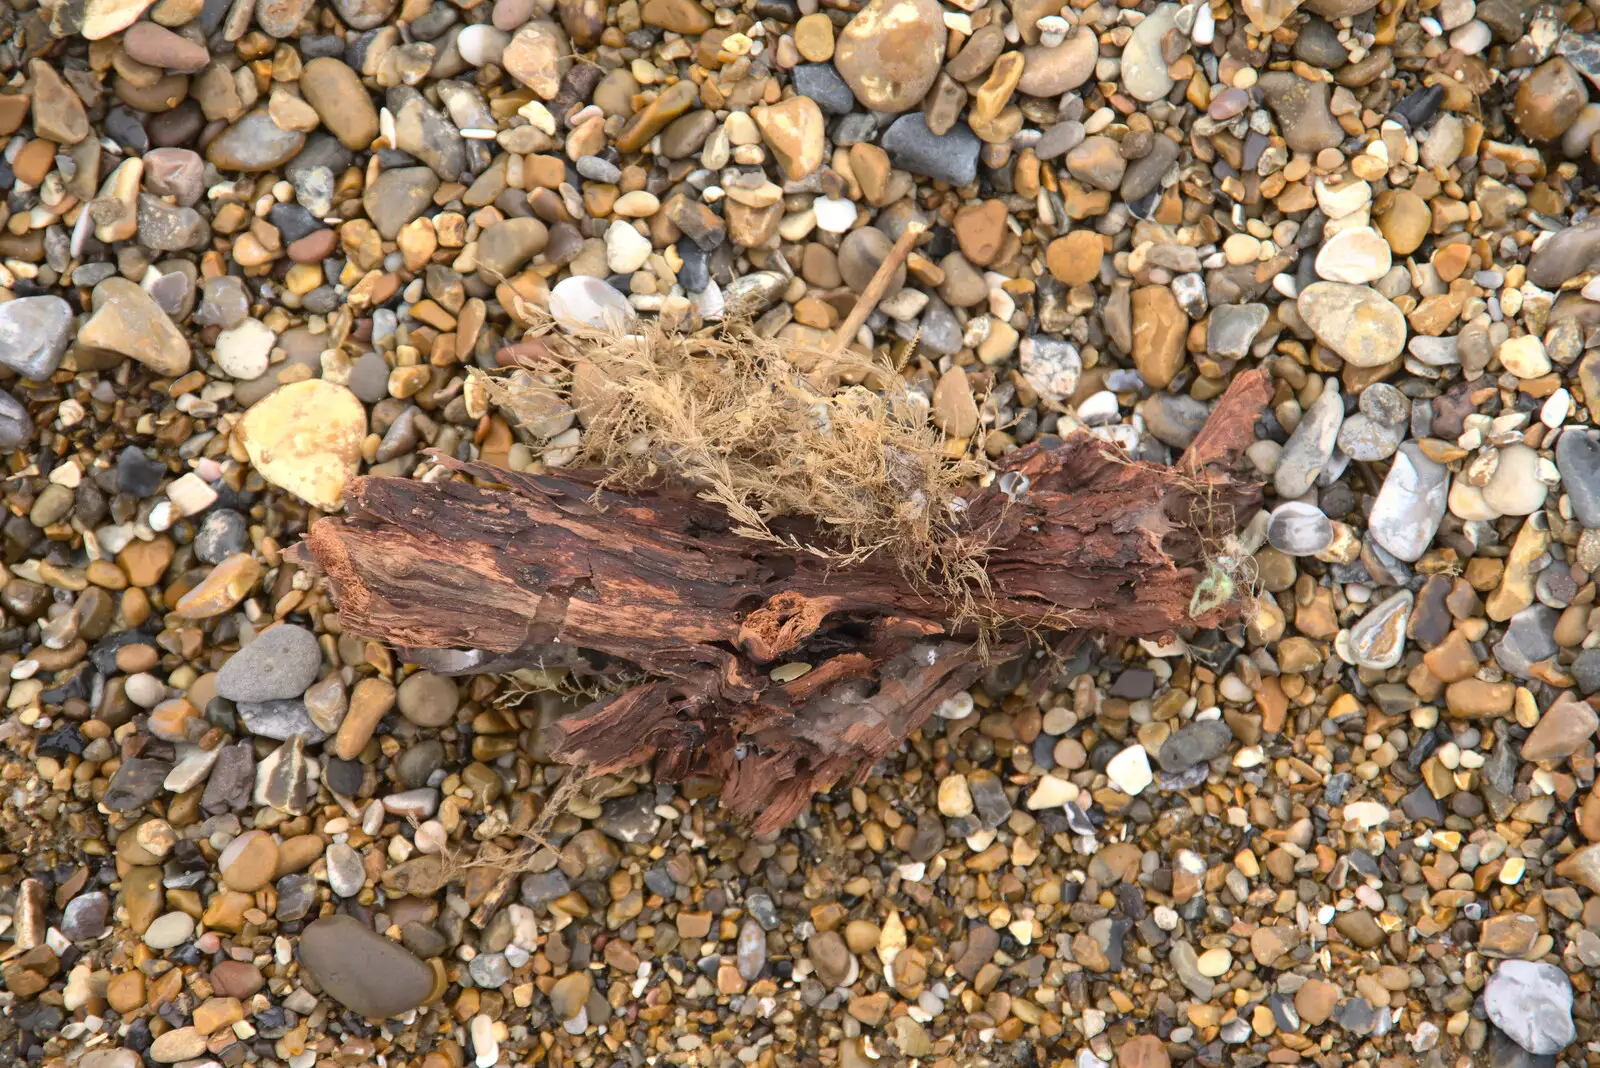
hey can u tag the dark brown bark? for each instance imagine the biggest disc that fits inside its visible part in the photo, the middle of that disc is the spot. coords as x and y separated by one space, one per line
542 566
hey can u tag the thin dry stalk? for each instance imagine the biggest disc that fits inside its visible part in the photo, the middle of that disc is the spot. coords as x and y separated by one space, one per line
846 334
457 861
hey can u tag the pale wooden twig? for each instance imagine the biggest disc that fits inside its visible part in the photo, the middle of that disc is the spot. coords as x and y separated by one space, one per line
874 292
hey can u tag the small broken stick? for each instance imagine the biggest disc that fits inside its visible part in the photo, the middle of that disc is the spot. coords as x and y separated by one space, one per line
870 296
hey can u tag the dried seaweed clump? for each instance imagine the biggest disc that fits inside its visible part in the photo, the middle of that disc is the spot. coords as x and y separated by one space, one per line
731 415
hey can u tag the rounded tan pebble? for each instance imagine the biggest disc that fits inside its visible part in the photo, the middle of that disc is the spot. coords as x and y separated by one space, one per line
813 36
213 1014
980 230
861 936
679 16
963 285
1053 71
179 1044
954 410
135 607
887 54
1097 162
1549 100
298 854
954 798
1403 220
1159 333
223 587
1214 963
335 92
1241 249
1075 259
819 266
1145 1051
568 995
202 690
127 320
160 47
636 204
506 246
125 992
106 575
1451 261
538 56
326 702
35 162
58 113
1070 754
249 862
135 658
795 131
428 700
306 438
370 701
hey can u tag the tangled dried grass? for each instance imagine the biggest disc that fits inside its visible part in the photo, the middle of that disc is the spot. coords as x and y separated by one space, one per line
733 415
456 861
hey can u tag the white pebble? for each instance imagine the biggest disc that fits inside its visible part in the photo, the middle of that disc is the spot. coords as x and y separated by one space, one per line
626 248
581 301
245 351
538 116
191 495
834 216
1129 771
169 931
1052 792
431 837
1366 814
1235 689
144 689
162 516
1472 38
482 44
1100 408
487 1049
958 706
1555 408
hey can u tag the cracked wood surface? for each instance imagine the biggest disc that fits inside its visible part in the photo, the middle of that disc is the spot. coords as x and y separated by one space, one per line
517 565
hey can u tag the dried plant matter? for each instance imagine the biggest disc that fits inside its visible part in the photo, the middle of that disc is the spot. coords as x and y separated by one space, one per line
730 415
773 665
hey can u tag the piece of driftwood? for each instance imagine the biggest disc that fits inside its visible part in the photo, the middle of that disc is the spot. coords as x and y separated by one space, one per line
524 567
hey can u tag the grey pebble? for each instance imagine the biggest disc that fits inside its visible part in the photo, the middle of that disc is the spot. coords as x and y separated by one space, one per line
951 158
1311 444
34 332
822 83
16 427
1198 743
280 720
1578 460
279 664
1299 529
1410 504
